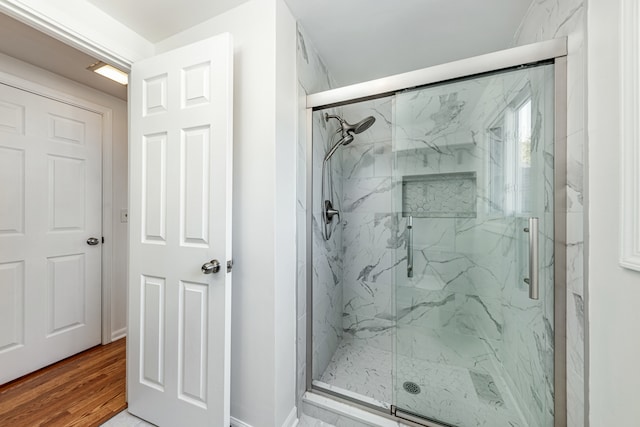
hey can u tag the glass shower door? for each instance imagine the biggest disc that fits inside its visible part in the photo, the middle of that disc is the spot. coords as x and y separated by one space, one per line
473 173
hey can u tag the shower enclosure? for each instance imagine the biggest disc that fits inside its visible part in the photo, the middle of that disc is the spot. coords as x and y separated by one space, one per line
436 243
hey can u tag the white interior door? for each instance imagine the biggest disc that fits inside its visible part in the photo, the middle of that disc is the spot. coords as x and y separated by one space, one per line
50 204
180 219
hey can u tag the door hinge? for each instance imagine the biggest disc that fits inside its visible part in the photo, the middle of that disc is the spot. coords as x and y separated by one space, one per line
102 239
229 266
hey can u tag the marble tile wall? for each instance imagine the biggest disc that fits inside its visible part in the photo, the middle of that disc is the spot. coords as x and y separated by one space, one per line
548 19
328 259
371 230
313 77
375 232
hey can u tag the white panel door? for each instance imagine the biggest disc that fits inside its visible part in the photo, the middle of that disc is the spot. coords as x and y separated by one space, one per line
50 204
180 219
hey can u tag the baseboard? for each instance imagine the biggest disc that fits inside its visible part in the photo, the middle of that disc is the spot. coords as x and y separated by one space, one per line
120 333
237 423
291 421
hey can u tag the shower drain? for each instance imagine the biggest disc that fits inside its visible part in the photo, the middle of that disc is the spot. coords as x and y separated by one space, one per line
411 387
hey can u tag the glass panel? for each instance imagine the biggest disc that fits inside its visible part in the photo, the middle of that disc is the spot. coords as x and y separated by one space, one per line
353 256
473 162
419 250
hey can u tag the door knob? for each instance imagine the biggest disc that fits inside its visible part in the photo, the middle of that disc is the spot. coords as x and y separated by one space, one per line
92 241
212 266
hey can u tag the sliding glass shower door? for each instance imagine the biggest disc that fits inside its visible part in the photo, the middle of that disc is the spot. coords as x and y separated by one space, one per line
432 250
473 179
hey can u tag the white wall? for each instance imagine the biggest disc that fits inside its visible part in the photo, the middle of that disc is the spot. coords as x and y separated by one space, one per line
263 318
614 292
119 153
285 214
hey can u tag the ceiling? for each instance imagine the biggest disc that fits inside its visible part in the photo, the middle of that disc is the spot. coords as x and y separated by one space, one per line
360 40
156 20
26 44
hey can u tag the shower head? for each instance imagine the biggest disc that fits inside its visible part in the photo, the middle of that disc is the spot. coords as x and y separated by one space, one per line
346 127
361 126
348 130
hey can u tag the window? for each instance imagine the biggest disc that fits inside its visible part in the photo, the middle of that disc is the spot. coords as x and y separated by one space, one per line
509 177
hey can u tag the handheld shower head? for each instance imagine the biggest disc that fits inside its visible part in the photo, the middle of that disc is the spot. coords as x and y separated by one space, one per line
345 140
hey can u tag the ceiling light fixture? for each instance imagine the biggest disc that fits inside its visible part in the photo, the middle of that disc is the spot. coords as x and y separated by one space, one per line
109 72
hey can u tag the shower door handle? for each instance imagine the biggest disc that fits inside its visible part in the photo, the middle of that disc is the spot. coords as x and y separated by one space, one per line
532 280
410 247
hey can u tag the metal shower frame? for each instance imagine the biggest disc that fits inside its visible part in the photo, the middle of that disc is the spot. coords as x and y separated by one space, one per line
554 51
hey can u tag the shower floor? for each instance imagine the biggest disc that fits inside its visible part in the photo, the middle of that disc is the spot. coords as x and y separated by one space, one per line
457 395
363 371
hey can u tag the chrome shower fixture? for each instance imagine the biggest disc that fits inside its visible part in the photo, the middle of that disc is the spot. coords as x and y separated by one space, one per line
347 130
345 127
345 140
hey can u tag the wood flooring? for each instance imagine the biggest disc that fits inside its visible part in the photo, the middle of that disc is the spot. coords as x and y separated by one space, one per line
84 390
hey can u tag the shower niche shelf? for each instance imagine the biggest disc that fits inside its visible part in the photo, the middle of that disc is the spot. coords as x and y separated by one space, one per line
442 195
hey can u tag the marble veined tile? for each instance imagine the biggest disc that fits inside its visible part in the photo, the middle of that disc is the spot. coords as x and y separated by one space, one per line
486 388
125 419
368 195
471 393
312 72
361 369
308 421
449 394
381 110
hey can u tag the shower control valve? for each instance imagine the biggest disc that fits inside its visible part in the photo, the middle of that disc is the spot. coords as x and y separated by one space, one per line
330 212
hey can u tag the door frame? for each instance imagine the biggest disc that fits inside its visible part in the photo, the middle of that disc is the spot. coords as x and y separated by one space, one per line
26 14
106 275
